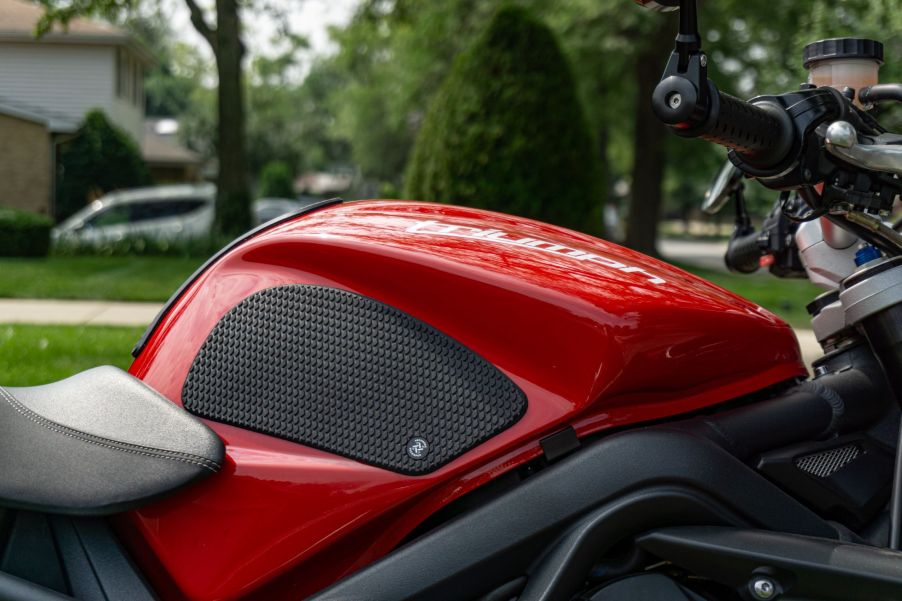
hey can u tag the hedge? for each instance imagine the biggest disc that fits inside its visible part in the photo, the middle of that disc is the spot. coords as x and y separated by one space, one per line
24 234
507 131
100 158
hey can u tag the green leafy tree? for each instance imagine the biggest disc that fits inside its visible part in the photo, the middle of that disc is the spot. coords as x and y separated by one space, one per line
98 159
170 83
276 180
507 131
287 121
392 58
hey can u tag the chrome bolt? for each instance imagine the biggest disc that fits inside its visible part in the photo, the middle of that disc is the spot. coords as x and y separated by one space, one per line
703 61
764 588
675 100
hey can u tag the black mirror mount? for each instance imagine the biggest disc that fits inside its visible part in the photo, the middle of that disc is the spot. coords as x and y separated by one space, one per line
683 97
688 40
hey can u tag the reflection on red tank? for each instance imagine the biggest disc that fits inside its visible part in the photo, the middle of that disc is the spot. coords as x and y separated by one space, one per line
596 335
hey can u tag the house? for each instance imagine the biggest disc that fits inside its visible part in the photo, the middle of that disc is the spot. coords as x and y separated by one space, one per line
167 160
47 85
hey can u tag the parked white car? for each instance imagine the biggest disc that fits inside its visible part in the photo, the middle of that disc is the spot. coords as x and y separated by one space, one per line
161 212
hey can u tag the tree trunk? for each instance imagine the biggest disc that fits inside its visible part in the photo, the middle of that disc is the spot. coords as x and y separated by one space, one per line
605 229
648 142
232 195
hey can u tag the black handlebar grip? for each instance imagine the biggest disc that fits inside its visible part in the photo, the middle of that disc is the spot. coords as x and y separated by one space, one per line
761 133
755 132
744 253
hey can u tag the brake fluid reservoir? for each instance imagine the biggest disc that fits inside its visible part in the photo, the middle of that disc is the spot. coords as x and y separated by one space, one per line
843 62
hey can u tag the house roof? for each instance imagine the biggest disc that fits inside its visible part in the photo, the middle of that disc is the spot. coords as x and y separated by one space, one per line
55 123
165 150
19 20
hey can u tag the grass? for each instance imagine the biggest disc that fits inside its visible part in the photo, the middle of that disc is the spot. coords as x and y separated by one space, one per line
95 278
31 354
785 297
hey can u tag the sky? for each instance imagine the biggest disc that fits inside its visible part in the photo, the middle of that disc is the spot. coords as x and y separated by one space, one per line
309 18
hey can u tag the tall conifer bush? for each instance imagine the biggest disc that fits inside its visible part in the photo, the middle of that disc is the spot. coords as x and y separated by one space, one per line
507 131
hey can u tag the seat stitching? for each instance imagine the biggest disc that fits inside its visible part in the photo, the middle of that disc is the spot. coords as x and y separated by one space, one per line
115 445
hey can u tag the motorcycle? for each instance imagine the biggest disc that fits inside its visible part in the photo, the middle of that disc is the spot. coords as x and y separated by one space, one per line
386 400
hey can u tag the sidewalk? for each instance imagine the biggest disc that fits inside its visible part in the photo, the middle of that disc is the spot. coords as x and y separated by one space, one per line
70 312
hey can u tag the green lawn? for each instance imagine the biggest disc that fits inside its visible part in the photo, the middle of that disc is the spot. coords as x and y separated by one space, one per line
32 355
785 297
103 278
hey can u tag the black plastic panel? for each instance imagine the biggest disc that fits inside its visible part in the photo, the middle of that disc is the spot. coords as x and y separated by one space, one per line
645 586
847 479
350 375
620 479
53 558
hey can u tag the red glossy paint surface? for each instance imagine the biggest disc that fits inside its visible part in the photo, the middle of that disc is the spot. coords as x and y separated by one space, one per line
596 335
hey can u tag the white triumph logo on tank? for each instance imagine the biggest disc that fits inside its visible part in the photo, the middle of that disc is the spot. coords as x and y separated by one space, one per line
437 228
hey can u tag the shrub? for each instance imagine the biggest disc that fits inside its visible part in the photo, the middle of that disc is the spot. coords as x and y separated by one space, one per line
507 132
24 234
134 246
276 180
100 158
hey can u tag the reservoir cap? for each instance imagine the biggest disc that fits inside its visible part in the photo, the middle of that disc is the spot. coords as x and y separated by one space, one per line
840 48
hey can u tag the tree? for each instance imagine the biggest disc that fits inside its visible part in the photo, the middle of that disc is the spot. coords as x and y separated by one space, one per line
98 159
392 58
506 131
170 83
276 181
649 139
286 121
224 38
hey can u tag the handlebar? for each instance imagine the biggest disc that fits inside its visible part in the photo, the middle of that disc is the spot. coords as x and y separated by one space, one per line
760 132
747 128
779 141
744 252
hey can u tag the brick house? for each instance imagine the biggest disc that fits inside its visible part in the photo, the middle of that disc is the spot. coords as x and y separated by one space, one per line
26 163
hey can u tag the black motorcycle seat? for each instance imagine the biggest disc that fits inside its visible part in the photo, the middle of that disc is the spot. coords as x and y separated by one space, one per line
97 443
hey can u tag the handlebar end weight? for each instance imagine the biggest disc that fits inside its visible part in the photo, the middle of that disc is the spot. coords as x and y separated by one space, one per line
675 102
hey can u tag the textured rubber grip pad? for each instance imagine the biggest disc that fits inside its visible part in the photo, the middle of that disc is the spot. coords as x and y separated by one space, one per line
349 375
745 127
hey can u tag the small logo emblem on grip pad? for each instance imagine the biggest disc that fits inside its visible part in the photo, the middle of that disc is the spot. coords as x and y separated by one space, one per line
417 448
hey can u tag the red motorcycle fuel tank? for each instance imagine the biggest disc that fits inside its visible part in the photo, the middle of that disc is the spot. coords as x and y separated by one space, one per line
566 329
